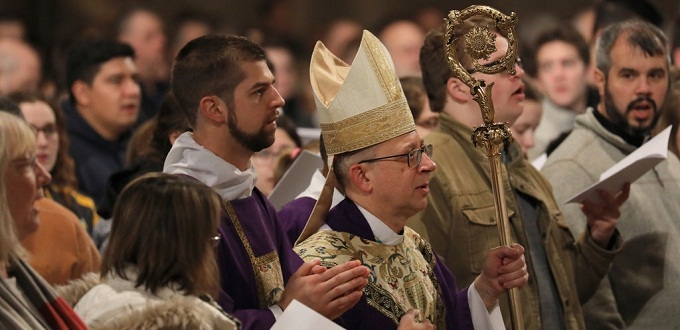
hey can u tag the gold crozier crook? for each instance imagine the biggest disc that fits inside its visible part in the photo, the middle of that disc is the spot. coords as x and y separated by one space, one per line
480 44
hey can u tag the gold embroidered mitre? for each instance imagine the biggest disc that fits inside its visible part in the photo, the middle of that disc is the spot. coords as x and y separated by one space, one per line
359 105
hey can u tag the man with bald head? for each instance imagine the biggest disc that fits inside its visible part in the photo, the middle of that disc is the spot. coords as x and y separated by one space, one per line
403 39
19 67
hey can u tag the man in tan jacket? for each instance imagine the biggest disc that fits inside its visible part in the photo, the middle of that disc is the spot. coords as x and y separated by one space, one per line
459 220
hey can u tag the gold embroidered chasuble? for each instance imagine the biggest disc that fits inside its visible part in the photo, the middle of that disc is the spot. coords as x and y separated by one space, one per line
401 277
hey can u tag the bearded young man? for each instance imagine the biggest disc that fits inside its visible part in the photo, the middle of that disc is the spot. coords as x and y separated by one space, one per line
633 80
227 91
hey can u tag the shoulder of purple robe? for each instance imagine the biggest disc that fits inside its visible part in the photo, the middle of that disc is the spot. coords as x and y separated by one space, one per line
294 215
346 217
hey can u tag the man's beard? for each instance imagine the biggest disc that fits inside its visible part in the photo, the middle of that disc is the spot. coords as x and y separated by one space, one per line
253 142
621 120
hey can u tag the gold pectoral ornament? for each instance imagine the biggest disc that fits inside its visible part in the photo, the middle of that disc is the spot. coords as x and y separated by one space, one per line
479 44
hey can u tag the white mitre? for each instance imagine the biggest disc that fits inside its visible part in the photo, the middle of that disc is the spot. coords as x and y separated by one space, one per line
358 106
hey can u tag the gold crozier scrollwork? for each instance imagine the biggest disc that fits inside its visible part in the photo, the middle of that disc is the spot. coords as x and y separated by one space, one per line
479 44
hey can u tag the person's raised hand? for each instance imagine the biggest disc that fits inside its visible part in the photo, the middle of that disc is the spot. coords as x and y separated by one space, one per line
410 322
602 215
504 269
331 292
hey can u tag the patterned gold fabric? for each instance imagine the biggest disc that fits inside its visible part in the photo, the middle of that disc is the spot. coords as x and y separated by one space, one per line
267 268
367 128
401 275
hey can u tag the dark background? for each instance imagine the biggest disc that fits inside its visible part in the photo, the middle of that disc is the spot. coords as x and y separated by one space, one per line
56 19
53 25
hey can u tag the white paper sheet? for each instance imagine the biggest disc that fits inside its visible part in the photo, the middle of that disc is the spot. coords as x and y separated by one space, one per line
300 317
540 161
628 169
296 179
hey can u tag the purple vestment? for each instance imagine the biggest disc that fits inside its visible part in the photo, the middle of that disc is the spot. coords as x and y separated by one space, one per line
255 260
294 215
346 217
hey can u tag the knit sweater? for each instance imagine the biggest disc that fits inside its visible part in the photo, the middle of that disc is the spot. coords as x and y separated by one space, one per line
644 276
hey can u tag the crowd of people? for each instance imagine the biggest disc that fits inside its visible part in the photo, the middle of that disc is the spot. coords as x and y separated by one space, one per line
134 194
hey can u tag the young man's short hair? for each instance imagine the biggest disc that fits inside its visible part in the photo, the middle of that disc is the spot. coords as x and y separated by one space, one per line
211 65
86 57
565 33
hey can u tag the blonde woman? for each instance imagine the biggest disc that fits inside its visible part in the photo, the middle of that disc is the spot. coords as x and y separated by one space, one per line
26 301
52 142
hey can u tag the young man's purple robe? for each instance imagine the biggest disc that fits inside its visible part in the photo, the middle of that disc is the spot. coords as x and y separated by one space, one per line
256 223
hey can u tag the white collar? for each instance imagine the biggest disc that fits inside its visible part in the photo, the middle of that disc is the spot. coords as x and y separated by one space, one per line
190 158
381 231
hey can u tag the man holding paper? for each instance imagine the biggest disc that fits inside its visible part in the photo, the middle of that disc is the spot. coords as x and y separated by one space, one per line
632 76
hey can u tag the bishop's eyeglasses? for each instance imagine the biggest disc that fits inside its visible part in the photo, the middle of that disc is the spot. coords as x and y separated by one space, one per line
413 157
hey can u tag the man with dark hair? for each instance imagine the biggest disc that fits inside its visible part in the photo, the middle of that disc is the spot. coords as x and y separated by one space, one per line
632 77
459 220
103 106
562 58
226 89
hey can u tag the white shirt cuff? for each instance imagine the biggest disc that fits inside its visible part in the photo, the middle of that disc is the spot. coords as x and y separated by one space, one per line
276 310
481 317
